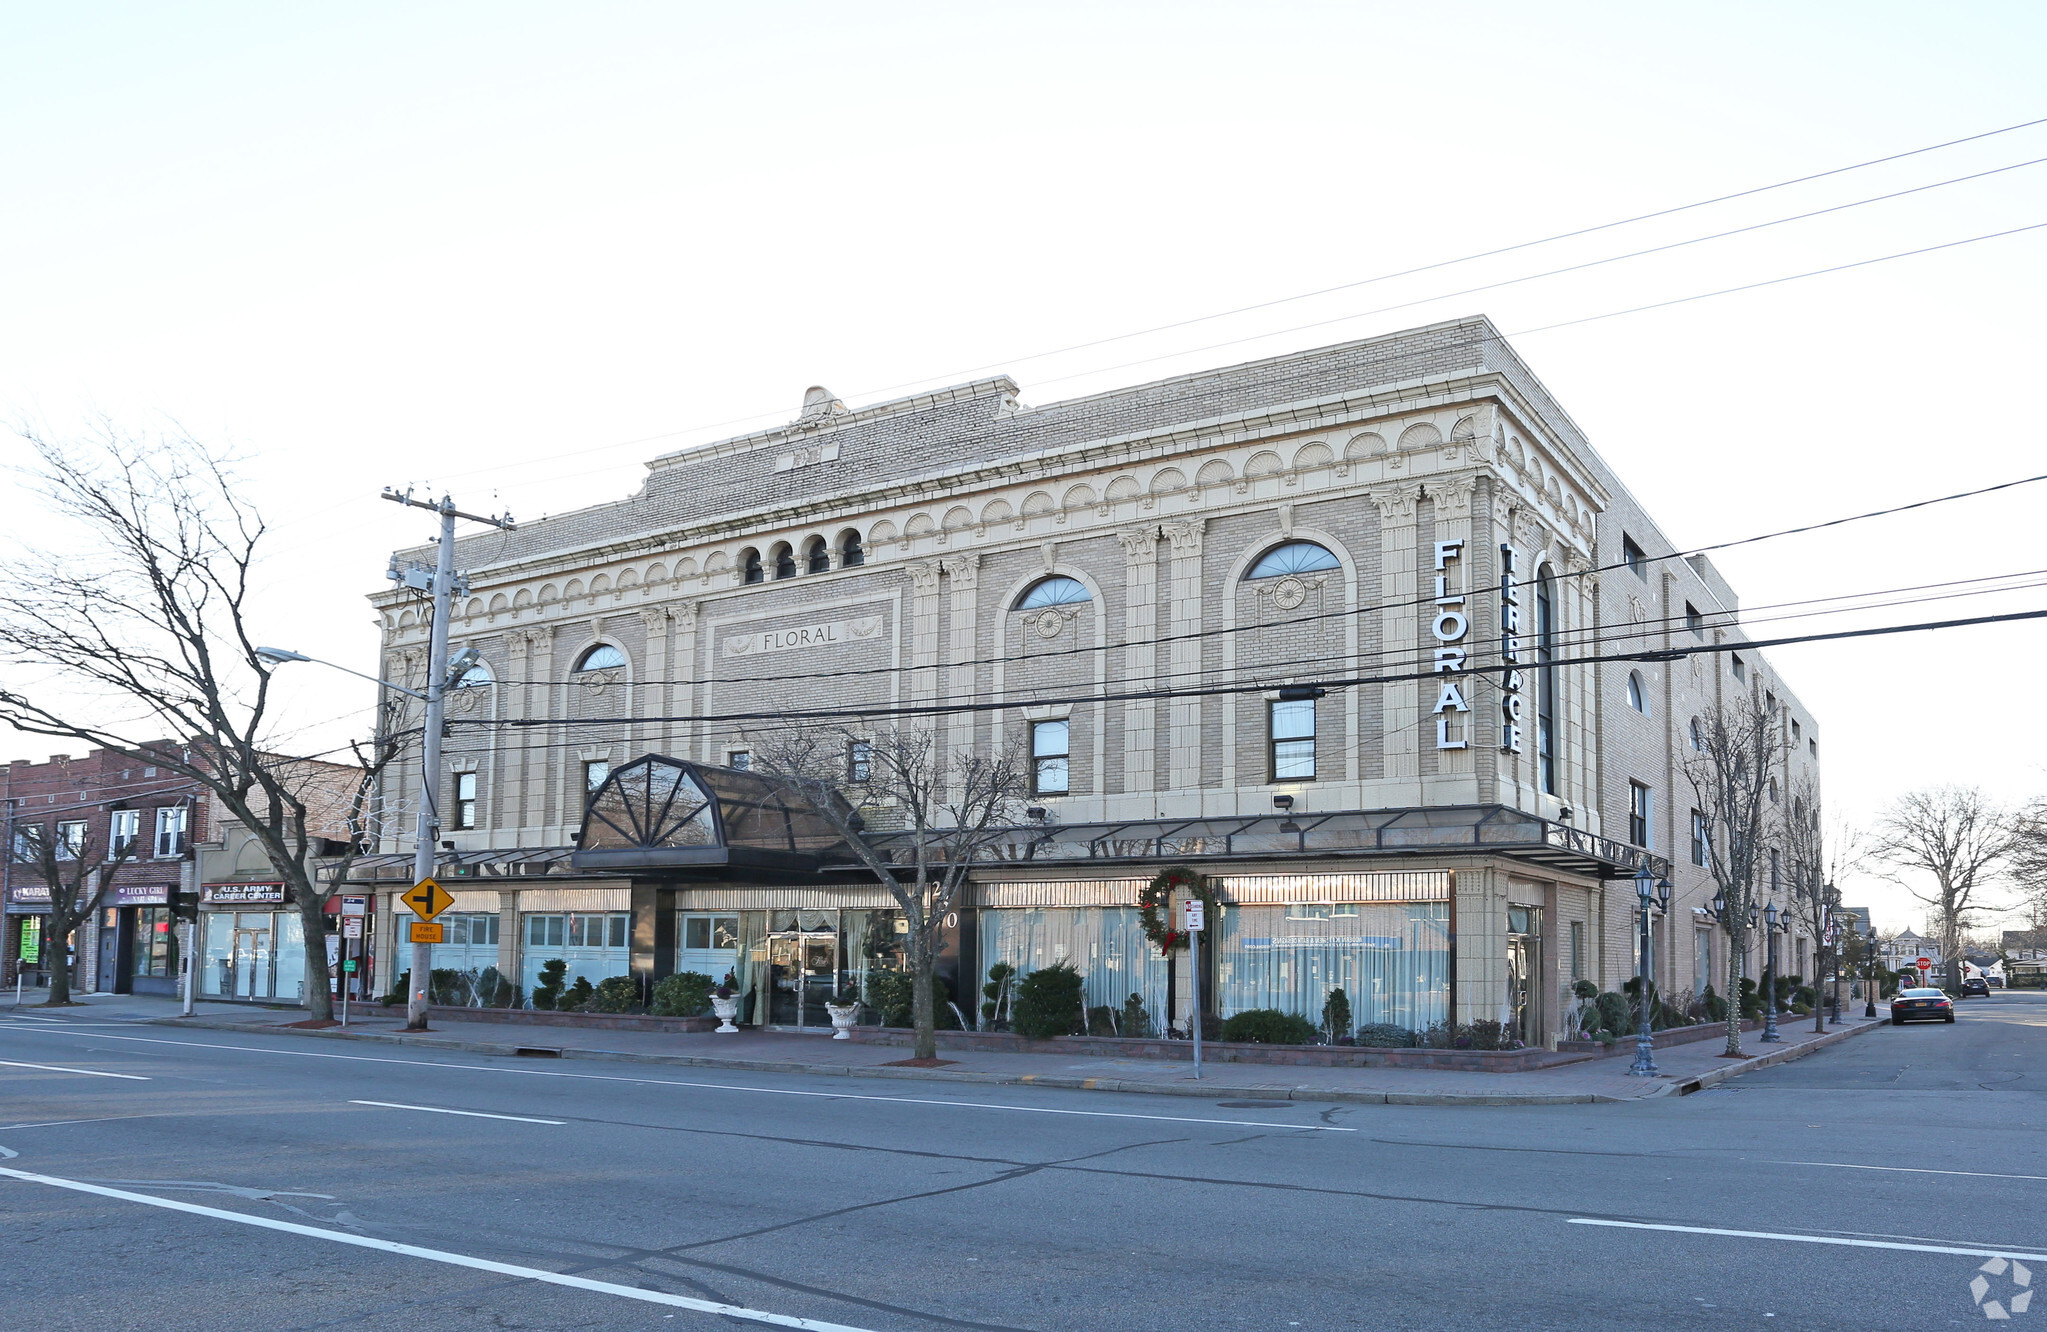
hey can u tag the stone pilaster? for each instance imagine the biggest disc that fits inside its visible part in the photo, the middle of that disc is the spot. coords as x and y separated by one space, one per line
924 631
1187 591
684 692
963 582
650 699
1140 654
1400 585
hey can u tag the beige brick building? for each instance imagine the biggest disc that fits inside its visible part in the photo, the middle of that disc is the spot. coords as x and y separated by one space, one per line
1148 587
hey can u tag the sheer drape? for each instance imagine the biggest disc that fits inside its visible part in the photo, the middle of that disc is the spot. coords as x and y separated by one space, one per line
1391 961
1106 945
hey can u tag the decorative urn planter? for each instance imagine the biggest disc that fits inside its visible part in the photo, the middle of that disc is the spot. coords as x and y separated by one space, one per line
726 1009
843 1018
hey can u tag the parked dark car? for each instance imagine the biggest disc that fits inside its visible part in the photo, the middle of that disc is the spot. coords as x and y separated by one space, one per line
1975 985
1921 1006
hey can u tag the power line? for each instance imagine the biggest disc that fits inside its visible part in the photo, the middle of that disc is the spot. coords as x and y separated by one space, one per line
1207 691
1376 608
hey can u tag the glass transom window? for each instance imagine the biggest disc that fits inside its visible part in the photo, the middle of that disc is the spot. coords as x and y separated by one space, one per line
1056 591
603 657
1292 558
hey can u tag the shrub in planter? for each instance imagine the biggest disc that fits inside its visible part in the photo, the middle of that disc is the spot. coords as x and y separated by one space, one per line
616 994
892 996
1385 1036
445 985
997 996
684 994
1486 1034
1134 1021
1269 1026
576 999
1101 1021
1048 1002
1716 1007
547 994
399 985
1336 1019
1614 1017
494 991
1751 1001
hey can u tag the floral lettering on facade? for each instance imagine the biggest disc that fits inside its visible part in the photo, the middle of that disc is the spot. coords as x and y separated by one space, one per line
830 633
1450 626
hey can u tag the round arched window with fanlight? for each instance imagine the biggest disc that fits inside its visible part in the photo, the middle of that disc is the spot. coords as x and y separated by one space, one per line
601 657
1057 590
1294 557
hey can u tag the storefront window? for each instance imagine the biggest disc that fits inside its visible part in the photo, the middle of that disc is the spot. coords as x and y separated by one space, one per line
1391 961
156 942
1105 944
592 943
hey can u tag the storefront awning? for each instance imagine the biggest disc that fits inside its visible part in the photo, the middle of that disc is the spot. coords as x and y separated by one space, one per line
1494 830
659 813
493 863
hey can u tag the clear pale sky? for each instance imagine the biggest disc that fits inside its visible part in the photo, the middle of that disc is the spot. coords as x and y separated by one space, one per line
516 250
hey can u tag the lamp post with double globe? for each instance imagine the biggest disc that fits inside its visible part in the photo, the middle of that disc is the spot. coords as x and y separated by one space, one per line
1869 981
1653 895
1770 1036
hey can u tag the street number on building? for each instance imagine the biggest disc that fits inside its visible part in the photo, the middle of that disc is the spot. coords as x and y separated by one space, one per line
427 899
425 932
1196 914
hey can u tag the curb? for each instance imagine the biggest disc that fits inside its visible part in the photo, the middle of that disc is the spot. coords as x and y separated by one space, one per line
1060 1082
1712 1077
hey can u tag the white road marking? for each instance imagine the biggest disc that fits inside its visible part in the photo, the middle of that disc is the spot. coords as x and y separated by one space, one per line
88 1072
472 1114
439 1255
1910 1170
7 1152
1808 1239
762 1091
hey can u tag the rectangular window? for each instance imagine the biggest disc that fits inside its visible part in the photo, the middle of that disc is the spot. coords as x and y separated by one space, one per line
70 839
1051 771
1770 700
1293 739
1702 958
170 831
28 843
859 761
465 800
1812 747
1631 554
1795 733
594 773
1577 950
700 933
740 760
1695 621
124 829
1700 845
1740 666
156 940
544 931
1638 814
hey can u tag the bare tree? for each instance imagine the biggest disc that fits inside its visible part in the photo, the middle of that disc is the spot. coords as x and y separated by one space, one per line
2028 866
78 879
1737 749
943 812
1818 857
144 620
1959 839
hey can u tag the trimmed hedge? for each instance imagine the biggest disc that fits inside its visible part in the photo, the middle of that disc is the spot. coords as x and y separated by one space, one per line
1269 1026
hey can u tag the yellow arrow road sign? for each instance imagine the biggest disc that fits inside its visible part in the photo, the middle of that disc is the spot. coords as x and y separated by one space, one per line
427 899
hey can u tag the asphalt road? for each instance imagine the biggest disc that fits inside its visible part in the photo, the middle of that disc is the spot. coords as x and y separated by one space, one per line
321 1185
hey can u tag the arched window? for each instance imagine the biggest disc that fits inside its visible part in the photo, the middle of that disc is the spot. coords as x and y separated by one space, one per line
817 556
1292 558
750 566
1546 680
1054 591
1638 698
475 677
601 657
850 553
785 560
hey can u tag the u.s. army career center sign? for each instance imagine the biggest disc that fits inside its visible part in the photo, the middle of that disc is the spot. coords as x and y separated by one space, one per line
828 633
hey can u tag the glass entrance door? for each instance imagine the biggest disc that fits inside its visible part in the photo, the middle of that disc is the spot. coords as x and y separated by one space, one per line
805 967
251 963
1524 956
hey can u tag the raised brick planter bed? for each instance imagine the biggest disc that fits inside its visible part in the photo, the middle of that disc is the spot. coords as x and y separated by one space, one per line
1668 1036
1232 1052
595 1021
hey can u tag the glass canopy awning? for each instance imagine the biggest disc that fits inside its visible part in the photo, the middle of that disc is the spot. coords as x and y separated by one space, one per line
667 813
1428 831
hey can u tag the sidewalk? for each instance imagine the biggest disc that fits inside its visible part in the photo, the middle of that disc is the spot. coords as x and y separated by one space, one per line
1683 1069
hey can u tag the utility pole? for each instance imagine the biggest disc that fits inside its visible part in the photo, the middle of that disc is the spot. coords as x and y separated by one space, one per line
442 585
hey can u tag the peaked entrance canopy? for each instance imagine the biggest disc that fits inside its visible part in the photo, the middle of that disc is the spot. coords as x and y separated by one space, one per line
664 813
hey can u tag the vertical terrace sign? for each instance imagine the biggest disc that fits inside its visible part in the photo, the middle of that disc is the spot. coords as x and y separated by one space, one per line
1510 654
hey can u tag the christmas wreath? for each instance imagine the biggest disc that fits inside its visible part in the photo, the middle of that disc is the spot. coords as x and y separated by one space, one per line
1154 903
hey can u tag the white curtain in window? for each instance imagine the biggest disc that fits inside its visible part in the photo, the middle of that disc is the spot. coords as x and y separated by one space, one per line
1392 962
1105 944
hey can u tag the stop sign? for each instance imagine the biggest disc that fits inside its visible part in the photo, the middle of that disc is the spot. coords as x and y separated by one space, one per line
1925 963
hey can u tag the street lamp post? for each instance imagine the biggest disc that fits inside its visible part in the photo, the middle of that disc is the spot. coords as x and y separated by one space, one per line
1869 972
1652 894
1770 1036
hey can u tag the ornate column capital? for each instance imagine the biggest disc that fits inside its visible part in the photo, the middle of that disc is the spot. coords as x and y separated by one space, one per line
685 613
924 576
1452 495
963 570
1139 543
1396 503
1186 535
